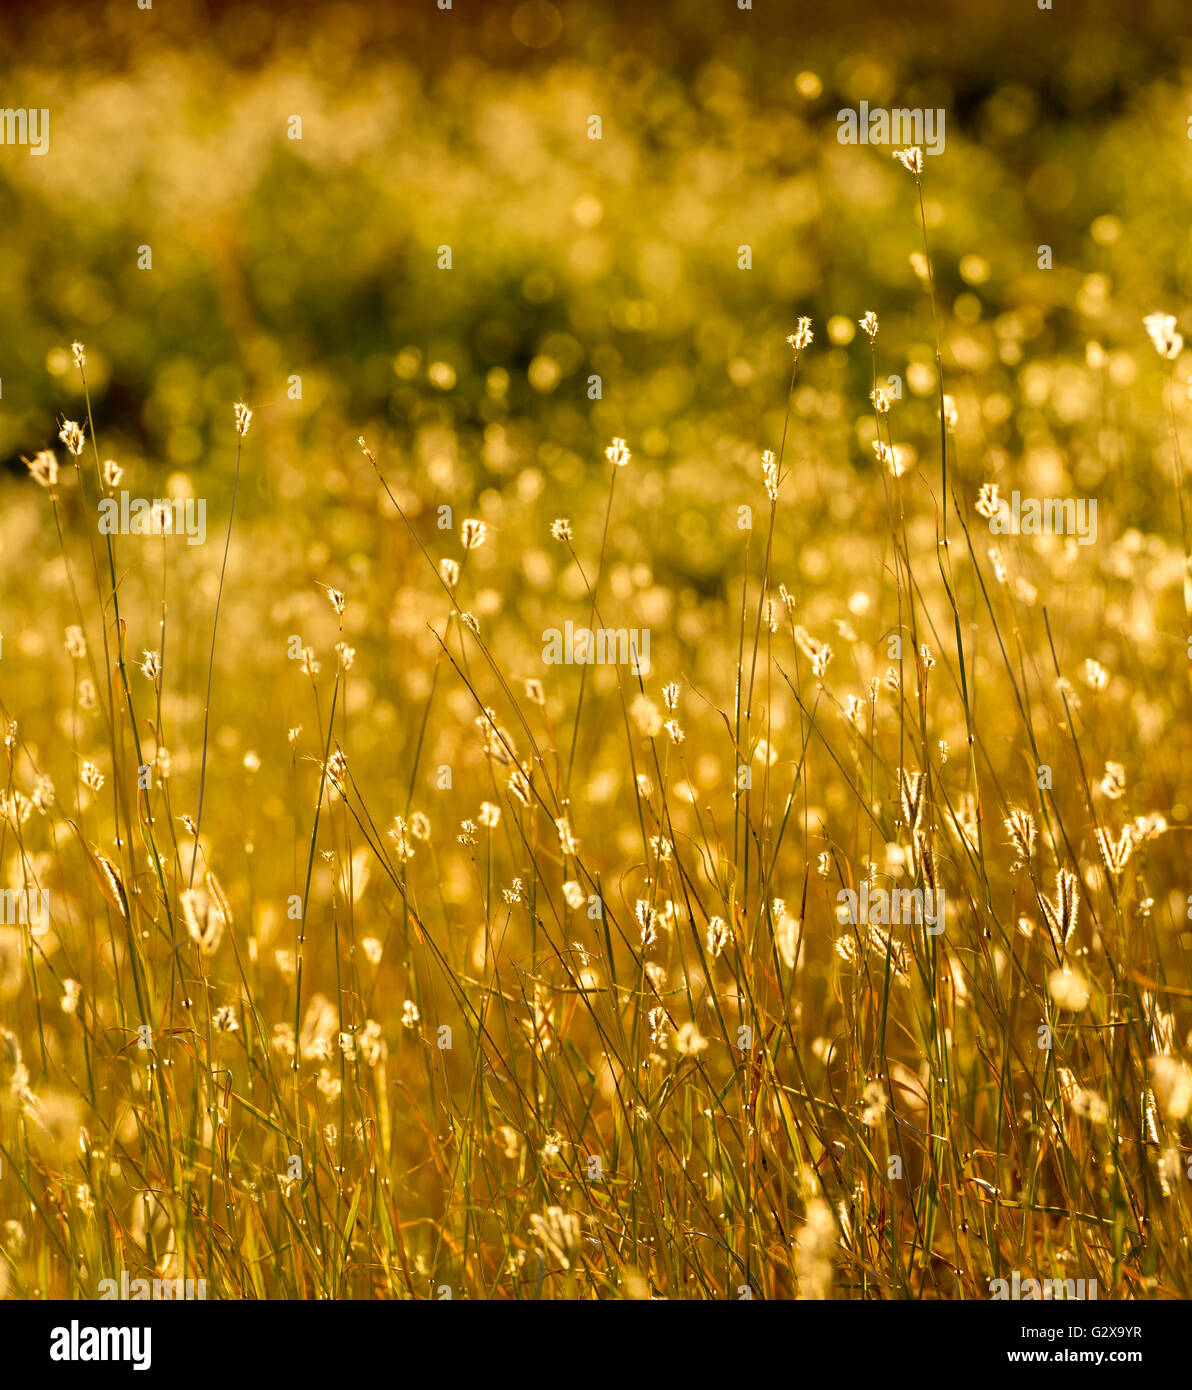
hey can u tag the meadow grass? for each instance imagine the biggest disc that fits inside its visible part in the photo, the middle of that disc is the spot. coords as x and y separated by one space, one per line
534 982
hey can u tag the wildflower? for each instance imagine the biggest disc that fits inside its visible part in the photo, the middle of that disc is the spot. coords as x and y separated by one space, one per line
71 992
1150 1116
43 795
1115 853
770 474
717 936
869 324
802 336
573 894
409 1014
472 534
337 600
881 401
561 529
90 776
1149 827
404 850
224 1020
449 572
337 770
1021 827
79 353
497 743
205 914
1161 331
988 503
662 847
243 418
889 458
911 159
112 473
44 468
557 1232
151 665
71 434
1096 677
689 1041
467 832
647 921
519 783
76 642
618 453
819 663
911 795
534 691
490 815
420 826
15 808
1113 784
1062 916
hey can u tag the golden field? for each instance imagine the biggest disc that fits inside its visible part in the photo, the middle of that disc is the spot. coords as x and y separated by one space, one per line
391 951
